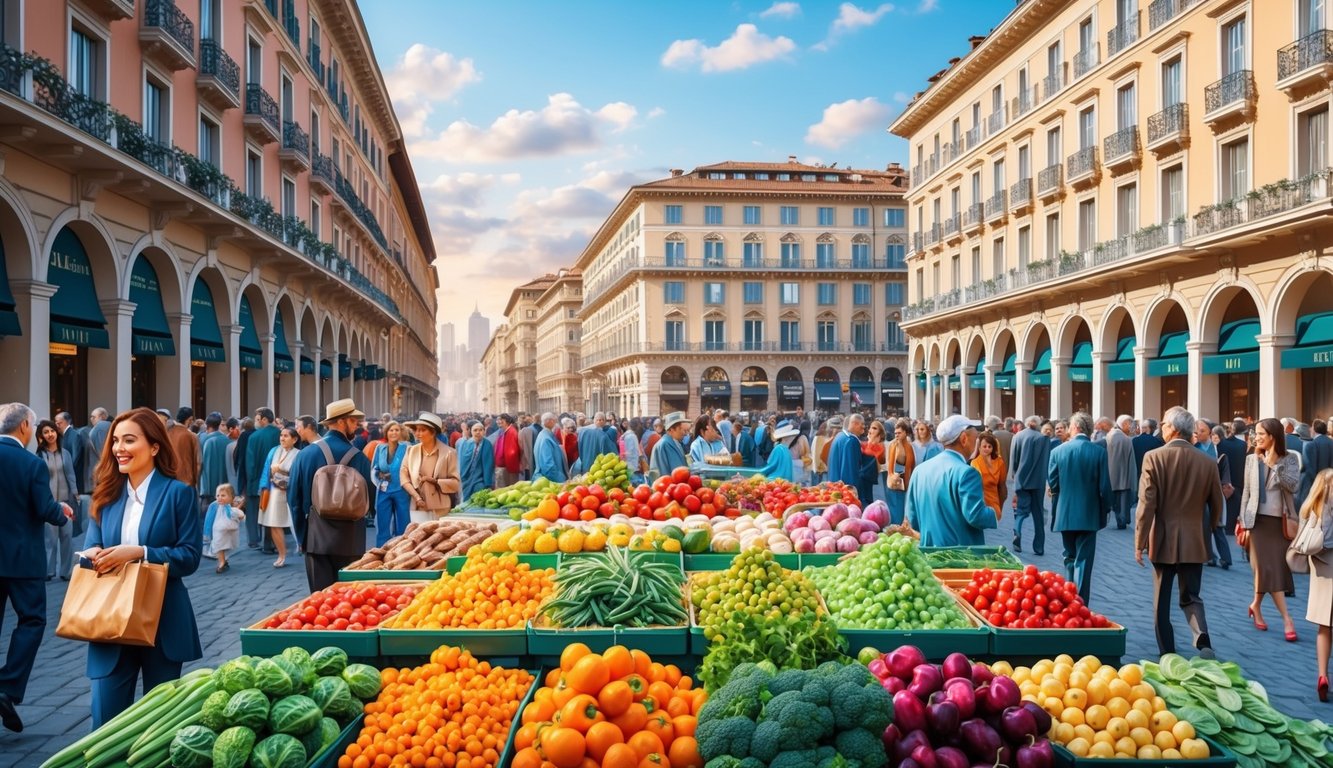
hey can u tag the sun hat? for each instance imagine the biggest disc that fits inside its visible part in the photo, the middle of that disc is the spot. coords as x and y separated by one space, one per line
676 417
426 419
949 429
785 429
341 409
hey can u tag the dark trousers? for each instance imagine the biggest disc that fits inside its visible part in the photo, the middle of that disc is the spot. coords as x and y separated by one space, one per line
28 596
1121 501
253 532
1031 504
1080 548
321 571
1190 578
114 693
1221 550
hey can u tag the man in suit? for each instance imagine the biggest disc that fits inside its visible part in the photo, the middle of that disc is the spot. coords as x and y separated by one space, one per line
1080 481
185 444
1124 472
1318 456
25 486
1146 440
213 465
844 456
1030 458
263 440
329 545
525 441
99 429
1294 441
1179 483
945 500
236 428
81 449
549 453
1234 448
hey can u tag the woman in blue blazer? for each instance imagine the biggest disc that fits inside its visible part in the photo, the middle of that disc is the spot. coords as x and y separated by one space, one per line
140 511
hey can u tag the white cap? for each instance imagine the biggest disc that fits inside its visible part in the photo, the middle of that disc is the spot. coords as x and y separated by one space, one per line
949 430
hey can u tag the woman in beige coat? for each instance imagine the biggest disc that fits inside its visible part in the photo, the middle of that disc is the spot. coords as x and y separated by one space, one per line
430 471
1272 477
1319 504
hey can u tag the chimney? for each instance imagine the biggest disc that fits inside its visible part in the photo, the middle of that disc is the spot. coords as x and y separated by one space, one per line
791 158
976 40
676 172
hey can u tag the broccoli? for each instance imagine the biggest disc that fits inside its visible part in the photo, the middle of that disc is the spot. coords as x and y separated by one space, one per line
794 758
727 761
862 747
829 669
835 760
856 673
788 680
856 706
725 736
743 695
803 723
750 669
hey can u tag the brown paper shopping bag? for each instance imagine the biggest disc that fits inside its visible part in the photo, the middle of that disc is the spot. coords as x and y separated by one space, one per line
123 606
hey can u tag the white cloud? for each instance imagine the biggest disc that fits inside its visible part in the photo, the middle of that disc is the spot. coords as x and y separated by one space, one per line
851 17
902 97
423 77
746 47
781 11
656 112
464 189
846 120
926 6
563 126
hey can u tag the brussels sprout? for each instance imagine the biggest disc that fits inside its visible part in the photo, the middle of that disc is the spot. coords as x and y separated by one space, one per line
328 689
213 714
235 676
248 708
294 715
278 751
329 661
232 748
273 677
363 679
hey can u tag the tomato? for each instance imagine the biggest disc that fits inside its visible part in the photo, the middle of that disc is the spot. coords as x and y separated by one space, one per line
680 491
569 512
606 509
616 494
692 503
708 510
321 620
658 499
695 481
705 495
680 474
642 493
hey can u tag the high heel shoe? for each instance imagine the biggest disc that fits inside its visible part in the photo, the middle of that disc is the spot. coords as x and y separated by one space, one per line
1322 688
1259 625
1290 635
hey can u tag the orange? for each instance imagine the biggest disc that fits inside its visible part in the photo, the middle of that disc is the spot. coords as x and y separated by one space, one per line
642 662
580 713
654 760
615 698
620 756
659 724
632 720
527 758
619 661
684 725
660 691
564 747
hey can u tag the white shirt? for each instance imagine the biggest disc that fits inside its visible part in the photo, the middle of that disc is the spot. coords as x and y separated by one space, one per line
134 506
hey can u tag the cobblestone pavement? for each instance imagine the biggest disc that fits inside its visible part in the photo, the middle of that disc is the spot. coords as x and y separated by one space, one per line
56 711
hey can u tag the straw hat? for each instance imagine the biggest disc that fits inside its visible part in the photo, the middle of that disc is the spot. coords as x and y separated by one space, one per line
341 409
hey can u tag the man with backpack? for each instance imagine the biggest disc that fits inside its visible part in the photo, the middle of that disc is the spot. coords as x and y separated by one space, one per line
330 493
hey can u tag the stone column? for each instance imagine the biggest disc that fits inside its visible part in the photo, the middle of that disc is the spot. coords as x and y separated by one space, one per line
266 375
1062 394
965 393
321 397
1023 403
231 372
1276 382
179 378
110 369
1101 401
913 400
992 391
1202 400
33 300
298 396
1147 394
930 397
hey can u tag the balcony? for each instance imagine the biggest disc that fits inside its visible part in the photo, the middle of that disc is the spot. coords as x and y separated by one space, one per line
933 234
294 153
973 218
322 174
995 123
1020 196
111 10
997 207
313 57
953 231
1270 200
1306 64
973 137
1231 98
167 35
219 79
261 114
1086 60
1120 150
1050 182
1083 168
1162 11
1024 102
1123 36
1169 129
1054 82
917 242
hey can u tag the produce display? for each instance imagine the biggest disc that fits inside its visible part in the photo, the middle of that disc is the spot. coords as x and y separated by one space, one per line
673 496
1219 702
777 495
489 592
1031 600
1097 710
837 528
274 712
524 494
617 709
763 531
833 716
958 714
354 607
425 546
454 711
889 585
755 611
973 558
615 587
609 471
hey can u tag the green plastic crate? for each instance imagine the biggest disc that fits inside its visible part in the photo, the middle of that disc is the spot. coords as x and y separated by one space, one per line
507 755
386 575
483 643
1221 757
721 561
935 643
455 564
269 642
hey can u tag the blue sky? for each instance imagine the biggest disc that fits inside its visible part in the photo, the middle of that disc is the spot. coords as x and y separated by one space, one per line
527 121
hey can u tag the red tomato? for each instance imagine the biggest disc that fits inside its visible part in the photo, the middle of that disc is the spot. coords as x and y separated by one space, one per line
692 503
708 510
616 494
695 481
642 493
656 500
705 495
680 474
589 502
569 512
680 491
606 509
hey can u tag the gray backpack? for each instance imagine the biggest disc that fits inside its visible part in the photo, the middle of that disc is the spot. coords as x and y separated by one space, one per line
338 492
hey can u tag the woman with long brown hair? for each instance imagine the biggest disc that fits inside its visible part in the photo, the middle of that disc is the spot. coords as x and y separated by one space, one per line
899 462
1272 477
60 468
140 511
1319 611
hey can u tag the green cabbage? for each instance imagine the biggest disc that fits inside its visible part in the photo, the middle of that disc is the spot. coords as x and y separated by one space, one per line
344 710
235 676
232 748
274 679
363 679
300 658
328 689
328 732
278 751
294 715
329 661
248 708
193 746
213 714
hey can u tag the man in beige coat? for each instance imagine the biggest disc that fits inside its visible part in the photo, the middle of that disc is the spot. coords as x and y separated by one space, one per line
1178 486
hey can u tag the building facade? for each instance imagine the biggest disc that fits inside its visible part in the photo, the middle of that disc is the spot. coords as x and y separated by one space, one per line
748 286
1122 206
559 385
509 363
207 203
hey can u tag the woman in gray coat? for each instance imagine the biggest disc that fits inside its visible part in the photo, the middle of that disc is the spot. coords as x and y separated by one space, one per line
1319 504
60 466
1272 477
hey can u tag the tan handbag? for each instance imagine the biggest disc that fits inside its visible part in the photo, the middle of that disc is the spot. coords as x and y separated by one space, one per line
123 606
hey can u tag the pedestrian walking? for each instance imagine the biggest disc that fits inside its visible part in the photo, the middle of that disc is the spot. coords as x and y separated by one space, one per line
1268 517
223 523
1080 485
993 472
60 474
262 442
1124 472
476 460
946 501
274 514
391 502
1319 611
1030 458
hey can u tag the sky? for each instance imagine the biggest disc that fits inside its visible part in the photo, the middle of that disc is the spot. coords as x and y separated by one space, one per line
526 122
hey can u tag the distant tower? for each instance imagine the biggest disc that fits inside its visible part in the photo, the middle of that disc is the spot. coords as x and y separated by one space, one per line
448 358
478 334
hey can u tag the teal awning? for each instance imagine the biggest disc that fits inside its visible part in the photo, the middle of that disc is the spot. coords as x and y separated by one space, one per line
1314 342
252 355
151 334
715 388
344 366
921 380
1123 367
76 316
1237 348
282 356
205 338
9 316
1041 370
326 369
754 390
380 373
307 366
1172 356
977 379
372 372
1080 368
359 372
828 392
864 390
1006 378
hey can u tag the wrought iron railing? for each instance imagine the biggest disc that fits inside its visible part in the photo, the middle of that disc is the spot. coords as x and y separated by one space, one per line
1162 11
1172 121
997 205
973 136
1086 59
295 138
321 167
164 15
1123 35
1310 51
1269 200
1235 87
951 225
1024 102
973 216
1020 192
1049 178
995 122
1054 82
1122 143
13 69
933 234
917 242
1082 162
259 103
217 63
359 209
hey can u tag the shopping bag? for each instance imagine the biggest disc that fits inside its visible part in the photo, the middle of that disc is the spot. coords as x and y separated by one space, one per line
122 606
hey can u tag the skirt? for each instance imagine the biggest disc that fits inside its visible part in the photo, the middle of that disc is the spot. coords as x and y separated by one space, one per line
897 501
225 541
1268 556
1319 610
277 514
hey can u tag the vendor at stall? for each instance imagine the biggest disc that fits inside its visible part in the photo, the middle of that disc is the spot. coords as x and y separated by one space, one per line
945 500
780 460
707 440
668 453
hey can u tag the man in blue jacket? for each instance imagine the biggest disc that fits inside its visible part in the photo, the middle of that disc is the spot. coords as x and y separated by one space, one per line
263 440
669 453
594 440
844 455
548 454
945 499
26 489
1080 482
1029 462
1146 440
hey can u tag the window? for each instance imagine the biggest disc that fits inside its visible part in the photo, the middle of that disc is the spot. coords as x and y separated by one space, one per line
828 294
790 331
861 294
790 215
1087 225
672 214
1087 128
861 255
254 173
1173 194
254 61
976 264
1024 246
893 294
761 176
713 214
791 255
717 175
208 19
893 336
895 256
675 253
998 263
895 218
210 142
753 216
714 293
1235 175
1234 57
715 335
862 339
1126 209
754 335
1126 107
998 179
753 254
955 272
1055 66
1310 15
673 292
314 134
288 197
156 111
977 196
860 217
1312 142
783 177
754 292
315 217
714 253
1173 89
85 63
1087 38
1053 236
826 217
824 255
920 284
955 201
675 335
1054 147
789 293
827 331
